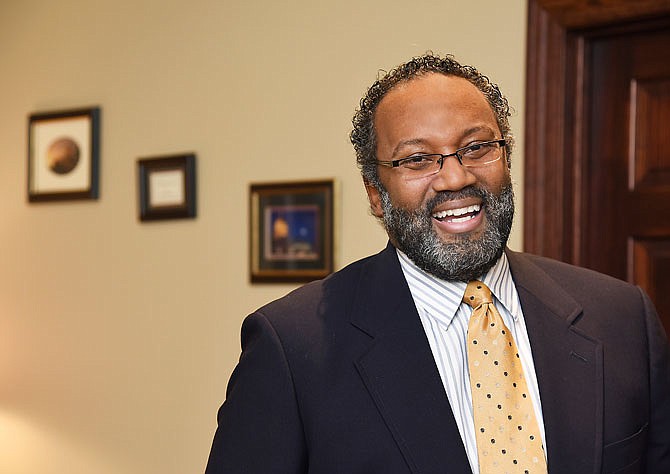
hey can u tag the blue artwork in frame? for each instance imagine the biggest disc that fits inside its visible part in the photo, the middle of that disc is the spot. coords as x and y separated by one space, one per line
291 226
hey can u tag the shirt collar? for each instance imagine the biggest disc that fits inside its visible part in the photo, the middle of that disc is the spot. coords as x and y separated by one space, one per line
441 298
500 282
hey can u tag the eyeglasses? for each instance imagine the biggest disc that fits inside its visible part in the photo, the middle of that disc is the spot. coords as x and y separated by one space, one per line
471 156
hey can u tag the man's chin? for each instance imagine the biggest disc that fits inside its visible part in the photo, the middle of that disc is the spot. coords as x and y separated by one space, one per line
449 238
456 251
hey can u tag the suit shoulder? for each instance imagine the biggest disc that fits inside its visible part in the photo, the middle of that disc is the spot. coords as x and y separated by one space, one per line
334 293
578 278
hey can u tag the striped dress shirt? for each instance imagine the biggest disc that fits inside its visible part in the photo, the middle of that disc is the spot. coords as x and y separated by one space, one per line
445 321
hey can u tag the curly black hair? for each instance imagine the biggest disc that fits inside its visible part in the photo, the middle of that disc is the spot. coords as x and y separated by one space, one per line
363 134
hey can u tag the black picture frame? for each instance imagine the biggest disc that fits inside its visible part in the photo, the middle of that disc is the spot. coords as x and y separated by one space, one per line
64 155
167 187
291 231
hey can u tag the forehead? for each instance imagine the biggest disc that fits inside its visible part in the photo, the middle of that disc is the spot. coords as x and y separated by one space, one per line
431 102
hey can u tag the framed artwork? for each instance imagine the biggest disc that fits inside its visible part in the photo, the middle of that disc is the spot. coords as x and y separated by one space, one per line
291 231
167 187
63 155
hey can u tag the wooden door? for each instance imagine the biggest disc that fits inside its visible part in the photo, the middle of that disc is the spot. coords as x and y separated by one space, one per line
626 175
598 140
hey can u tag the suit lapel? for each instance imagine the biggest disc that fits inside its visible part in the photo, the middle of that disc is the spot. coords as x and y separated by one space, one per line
568 364
400 373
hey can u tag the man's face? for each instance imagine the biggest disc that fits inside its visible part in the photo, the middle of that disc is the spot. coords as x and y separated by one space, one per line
453 224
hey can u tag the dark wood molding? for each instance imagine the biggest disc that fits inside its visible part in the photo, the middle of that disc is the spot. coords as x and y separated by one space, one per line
555 168
577 14
547 193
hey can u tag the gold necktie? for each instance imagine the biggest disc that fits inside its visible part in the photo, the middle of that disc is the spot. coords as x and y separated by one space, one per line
508 437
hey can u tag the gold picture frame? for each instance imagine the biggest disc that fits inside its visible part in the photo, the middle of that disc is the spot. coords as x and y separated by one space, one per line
291 228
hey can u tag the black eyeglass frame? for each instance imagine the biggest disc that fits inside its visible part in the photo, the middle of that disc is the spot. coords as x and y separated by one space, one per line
396 163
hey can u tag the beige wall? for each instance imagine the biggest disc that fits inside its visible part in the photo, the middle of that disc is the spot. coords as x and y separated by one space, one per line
117 338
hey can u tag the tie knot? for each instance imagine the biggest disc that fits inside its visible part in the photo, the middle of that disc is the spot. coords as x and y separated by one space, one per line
476 294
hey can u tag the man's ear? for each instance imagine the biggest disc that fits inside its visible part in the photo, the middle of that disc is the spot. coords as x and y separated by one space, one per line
375 200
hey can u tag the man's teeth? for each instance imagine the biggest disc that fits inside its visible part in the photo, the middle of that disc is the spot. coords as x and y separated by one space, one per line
457 212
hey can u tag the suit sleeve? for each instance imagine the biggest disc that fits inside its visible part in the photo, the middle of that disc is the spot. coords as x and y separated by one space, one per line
259 428
658 452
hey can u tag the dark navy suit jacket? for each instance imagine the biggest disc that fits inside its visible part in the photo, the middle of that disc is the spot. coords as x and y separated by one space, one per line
338 377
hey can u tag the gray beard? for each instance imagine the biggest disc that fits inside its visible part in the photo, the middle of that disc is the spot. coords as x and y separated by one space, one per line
464 259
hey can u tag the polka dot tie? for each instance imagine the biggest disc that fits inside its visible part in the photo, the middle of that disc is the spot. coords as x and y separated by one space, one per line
508 438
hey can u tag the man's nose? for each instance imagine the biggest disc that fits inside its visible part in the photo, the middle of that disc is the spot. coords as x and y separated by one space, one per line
453 176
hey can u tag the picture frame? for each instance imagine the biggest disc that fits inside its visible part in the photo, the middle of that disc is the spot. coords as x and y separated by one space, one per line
167 187
63 155
291 231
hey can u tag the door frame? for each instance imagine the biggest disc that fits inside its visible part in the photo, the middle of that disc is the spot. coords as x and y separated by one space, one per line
556 129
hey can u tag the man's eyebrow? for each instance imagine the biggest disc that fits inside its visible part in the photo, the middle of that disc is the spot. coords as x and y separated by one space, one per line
477 128
406 143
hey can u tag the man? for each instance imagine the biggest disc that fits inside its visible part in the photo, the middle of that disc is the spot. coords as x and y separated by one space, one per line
376 368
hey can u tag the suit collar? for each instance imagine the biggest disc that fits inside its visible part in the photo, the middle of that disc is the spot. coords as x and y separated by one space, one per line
569 369
529 277
399 371
381 289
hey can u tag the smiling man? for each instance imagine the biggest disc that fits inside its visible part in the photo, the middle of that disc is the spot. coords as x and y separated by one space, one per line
447 352
452 213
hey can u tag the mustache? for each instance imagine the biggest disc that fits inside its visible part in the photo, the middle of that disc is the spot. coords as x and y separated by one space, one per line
446 196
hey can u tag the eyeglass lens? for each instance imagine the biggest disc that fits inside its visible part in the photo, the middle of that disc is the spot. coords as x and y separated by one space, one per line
471 157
